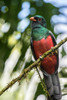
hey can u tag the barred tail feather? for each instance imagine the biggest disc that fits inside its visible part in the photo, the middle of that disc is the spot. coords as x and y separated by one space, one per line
53 86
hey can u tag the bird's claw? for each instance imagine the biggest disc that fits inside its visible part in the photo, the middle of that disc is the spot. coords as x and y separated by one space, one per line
56 52
52 48
40 57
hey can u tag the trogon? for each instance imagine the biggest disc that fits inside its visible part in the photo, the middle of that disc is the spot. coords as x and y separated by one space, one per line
43 40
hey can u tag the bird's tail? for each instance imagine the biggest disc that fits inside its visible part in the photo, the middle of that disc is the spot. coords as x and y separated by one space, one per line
53 86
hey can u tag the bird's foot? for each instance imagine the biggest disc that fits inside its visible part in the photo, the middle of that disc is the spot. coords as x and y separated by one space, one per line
40 58
56 52
52 48
52 53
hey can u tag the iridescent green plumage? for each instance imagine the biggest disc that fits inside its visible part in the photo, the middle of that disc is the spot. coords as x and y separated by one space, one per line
38 34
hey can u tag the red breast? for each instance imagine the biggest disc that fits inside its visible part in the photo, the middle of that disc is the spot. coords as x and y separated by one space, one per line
49 63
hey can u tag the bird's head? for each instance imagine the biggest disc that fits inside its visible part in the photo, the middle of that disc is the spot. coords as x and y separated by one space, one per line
38 21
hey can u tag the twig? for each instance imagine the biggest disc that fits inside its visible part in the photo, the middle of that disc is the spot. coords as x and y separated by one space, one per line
64 94
32 66
43 83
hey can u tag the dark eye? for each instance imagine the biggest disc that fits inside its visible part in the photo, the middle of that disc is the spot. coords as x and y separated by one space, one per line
39 19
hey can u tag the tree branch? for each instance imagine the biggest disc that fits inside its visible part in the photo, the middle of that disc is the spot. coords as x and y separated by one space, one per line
42 83
32 66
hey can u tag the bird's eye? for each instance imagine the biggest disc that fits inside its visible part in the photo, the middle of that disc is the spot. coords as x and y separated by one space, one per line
39 19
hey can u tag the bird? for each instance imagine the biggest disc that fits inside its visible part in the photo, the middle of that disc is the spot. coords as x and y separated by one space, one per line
42 40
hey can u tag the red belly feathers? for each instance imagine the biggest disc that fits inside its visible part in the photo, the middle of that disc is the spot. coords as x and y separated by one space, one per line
49 63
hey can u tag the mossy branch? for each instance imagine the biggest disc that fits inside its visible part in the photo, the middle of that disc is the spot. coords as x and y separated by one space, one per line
32 66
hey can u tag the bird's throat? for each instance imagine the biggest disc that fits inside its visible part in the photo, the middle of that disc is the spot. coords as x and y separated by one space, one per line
39 33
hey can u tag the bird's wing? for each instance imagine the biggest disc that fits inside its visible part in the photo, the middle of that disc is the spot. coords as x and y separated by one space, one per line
54 41
53 38
32 48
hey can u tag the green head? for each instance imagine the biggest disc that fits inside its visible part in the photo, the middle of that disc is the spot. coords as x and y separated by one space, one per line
39 29
38 21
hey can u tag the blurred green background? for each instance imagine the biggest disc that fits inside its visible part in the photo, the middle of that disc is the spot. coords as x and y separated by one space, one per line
15 51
